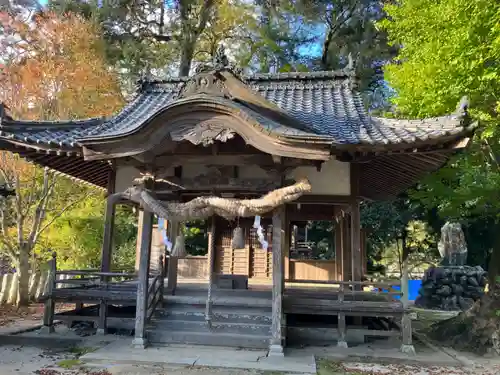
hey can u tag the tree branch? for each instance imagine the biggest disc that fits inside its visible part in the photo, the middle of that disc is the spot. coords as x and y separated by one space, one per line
47 189
10 250
58 215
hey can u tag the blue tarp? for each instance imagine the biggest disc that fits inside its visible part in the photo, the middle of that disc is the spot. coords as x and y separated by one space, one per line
413 288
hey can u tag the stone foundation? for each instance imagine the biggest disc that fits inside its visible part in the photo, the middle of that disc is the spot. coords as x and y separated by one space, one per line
451 288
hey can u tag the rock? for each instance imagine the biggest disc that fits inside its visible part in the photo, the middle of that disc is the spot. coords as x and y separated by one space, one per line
465 303
445 290
451 288
457 289
463 281
473 281
484 281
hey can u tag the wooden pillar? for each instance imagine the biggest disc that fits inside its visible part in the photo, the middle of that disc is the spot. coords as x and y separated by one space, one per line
140 219
407 344
211 271
277 326
173 262
49 305
107 248
338 251
287 244
341 325
346 248
109 224
140 339
355 241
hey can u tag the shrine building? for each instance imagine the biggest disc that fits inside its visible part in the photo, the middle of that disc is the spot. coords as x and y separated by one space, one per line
220 133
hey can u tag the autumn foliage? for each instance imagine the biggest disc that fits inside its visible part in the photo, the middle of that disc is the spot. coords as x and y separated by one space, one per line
55 68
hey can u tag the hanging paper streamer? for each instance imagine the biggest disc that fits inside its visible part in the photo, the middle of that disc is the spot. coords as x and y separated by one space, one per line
163 230
260 233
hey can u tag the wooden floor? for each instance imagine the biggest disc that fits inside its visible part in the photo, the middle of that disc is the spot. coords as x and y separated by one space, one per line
308 300
300 299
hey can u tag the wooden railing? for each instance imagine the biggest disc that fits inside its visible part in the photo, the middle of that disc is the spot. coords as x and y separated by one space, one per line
380 288
348 298
155 291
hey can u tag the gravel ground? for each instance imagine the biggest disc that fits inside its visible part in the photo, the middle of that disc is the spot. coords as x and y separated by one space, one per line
29 361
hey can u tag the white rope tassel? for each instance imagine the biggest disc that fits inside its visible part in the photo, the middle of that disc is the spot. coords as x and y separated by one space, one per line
179 250
260 233
238 241
211 255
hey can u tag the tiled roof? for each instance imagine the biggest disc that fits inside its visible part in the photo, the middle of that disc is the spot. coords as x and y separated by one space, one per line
324 104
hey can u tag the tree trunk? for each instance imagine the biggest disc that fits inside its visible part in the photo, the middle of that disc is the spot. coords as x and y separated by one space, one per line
23 278
478 329
187 54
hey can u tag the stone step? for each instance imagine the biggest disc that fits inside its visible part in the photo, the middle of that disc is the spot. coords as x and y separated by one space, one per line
249 328
160 337
220 313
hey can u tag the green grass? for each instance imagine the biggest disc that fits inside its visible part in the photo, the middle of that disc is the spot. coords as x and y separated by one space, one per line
69 363
327 367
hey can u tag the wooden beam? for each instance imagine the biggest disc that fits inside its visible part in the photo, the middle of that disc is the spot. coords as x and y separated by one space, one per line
260 159
210 183
277 334
324 199
140 339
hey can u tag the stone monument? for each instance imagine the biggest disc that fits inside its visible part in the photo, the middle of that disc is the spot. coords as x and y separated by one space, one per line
452 245
452 285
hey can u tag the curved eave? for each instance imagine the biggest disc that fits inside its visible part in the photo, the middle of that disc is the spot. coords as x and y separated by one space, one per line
42 147
452 137
257 130
95 173
207 102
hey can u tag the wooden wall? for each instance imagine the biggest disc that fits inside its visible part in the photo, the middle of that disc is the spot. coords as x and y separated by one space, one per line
252 260
193 267
303 269
255 261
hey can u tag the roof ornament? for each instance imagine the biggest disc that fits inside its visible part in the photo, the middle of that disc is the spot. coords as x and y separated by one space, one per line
351 63
146 77
219 62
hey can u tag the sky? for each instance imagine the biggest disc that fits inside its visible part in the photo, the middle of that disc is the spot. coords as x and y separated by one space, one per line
313 49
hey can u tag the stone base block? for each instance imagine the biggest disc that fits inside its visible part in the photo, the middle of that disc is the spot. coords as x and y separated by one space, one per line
408 349
276 350
47 329
140 343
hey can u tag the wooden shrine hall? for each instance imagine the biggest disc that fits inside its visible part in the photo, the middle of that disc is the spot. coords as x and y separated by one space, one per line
220 133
